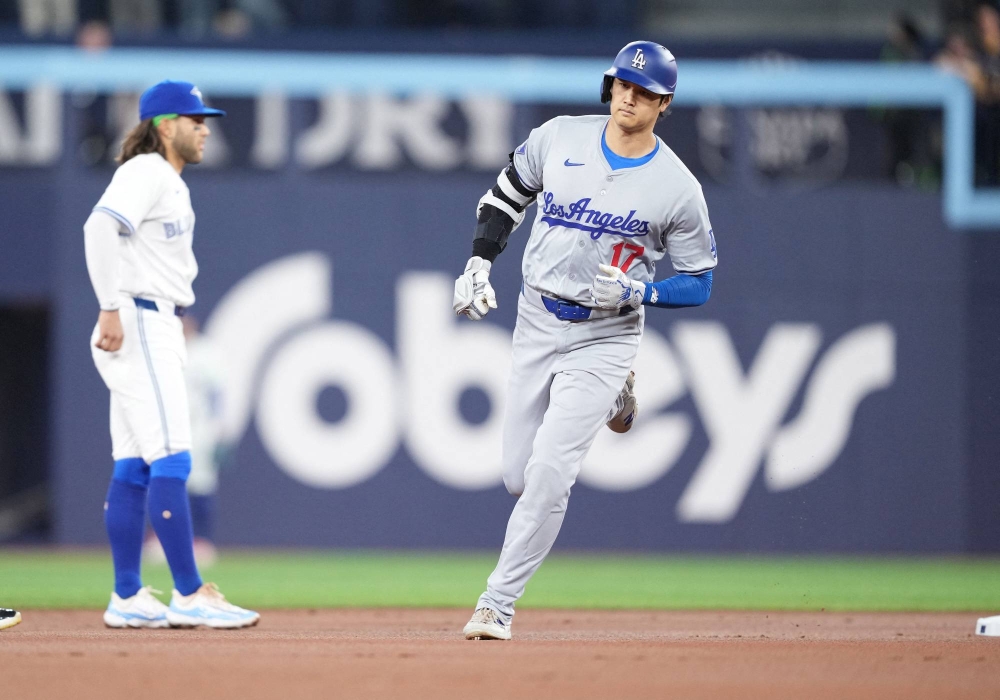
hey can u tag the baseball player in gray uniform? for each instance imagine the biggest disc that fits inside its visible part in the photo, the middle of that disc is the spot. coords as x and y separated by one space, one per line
612 199
141 262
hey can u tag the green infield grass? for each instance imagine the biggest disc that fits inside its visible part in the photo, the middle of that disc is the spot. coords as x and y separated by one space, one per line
312 579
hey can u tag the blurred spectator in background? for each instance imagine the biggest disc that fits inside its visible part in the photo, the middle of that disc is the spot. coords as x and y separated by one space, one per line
957 54
959 57
229 17
48 17
977 61
204 379
135 16
987 87
122 16
94 35
198 18
909 158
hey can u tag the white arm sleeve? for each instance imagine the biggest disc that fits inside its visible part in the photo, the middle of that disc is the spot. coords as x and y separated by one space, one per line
100 238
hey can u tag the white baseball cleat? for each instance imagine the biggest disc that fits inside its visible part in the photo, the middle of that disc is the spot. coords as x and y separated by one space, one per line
626 408
9 618
988 626
486 624
141 610
209 608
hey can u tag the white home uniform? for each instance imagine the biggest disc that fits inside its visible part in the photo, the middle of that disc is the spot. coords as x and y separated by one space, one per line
566 374
149 407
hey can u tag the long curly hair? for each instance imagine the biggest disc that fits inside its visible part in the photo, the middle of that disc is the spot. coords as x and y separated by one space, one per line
144 138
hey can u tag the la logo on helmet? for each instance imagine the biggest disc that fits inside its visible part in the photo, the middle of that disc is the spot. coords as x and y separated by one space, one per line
639 61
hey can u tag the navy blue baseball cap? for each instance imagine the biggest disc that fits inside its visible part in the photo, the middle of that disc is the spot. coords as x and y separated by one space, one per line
174 97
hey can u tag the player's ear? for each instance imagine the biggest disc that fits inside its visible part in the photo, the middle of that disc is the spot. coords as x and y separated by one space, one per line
666 103
167 129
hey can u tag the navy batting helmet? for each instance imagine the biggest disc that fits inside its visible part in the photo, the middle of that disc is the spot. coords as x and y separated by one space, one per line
645 63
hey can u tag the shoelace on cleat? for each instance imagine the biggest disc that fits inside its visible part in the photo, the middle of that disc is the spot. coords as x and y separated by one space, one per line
212 592
489 615
146 603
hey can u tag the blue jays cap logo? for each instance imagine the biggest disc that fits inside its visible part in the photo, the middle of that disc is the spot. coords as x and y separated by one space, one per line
174 97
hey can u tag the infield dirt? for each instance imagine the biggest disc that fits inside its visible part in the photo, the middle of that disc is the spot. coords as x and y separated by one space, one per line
387 653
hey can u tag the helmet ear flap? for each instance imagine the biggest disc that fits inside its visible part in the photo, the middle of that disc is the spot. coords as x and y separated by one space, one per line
606 89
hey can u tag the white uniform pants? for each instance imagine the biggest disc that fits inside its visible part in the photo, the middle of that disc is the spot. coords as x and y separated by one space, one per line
564 378
149 405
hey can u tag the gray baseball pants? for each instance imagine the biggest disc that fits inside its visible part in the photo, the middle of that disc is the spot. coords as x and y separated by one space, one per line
564 378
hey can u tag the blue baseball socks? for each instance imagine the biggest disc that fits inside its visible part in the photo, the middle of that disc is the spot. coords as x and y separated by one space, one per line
170 514
125 520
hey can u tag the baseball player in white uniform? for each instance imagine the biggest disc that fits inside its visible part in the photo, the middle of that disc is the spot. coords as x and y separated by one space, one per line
612 199
141 263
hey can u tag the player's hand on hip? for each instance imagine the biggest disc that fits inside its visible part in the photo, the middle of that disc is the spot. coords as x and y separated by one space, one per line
110 334
613 289
474 296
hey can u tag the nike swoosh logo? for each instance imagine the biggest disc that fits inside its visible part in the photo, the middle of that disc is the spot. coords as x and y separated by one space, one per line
572 165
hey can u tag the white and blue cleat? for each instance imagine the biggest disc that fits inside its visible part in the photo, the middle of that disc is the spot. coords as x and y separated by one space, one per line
142 610
487 624
207 607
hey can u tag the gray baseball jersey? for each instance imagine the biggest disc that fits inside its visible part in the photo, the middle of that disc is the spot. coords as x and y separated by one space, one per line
566 375
589 214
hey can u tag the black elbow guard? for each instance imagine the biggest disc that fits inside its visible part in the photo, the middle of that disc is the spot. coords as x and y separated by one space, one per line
494 226
500 211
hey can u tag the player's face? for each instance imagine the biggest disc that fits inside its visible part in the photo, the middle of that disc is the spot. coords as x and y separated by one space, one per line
633 107
189 138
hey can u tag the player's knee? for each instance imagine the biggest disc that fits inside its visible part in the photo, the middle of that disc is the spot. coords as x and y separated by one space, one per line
547 485
514 484
175 466
512 465
132 470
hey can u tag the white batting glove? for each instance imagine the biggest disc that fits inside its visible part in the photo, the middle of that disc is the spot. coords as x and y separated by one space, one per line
613 289
474 296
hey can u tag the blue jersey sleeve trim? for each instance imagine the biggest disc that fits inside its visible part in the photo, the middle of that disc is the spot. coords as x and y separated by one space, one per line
680 291
118 217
